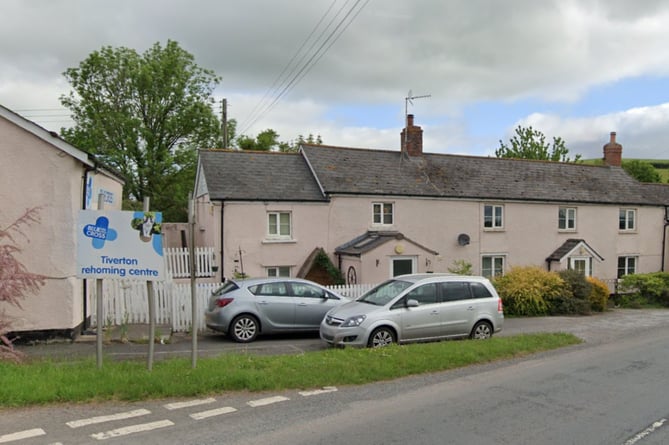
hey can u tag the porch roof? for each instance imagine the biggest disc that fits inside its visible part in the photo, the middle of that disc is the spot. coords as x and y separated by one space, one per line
370 240
570 246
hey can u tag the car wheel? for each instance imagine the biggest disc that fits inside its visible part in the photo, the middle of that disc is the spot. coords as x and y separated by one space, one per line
481 331
381 337
244 328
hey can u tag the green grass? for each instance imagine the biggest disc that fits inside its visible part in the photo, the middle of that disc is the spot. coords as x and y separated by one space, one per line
47 381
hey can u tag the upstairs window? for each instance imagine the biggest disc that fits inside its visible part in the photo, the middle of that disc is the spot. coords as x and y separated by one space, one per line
493 216
278 225
382 213
627 220
567 218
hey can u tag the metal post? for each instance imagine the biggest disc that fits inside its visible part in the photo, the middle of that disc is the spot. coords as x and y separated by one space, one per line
98 301
152 310
193 288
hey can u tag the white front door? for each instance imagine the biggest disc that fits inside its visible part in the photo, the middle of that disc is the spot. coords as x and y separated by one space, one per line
582 264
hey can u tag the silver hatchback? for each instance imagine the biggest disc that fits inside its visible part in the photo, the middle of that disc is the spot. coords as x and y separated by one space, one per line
419 307
243 309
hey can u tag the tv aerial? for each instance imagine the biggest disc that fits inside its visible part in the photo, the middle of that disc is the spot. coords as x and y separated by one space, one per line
409 100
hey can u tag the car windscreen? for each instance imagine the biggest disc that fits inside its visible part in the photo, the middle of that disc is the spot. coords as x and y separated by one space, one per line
228 286
384 292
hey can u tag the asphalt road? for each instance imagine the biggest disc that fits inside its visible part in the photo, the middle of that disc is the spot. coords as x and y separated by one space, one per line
596 328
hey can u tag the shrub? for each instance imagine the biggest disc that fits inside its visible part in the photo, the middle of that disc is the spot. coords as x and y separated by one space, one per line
599 294
574 297
461 267
526 290
650 288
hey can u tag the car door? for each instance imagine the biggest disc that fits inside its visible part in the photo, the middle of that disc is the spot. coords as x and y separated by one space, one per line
311 304
423 321
458 308
275 305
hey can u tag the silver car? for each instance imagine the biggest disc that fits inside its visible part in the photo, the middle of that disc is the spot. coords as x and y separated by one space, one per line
420 307
243 309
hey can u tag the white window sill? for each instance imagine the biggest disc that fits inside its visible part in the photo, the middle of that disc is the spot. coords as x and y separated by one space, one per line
279 241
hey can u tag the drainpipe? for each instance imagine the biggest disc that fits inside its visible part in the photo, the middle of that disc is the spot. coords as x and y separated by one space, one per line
222 257
664 236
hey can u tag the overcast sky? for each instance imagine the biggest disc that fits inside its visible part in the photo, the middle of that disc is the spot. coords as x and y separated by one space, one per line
575 69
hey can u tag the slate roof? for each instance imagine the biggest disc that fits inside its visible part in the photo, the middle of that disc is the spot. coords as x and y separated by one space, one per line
381 172
258 176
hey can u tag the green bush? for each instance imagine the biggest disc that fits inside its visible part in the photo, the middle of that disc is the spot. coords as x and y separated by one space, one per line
574 296
599 295
644 289
527 290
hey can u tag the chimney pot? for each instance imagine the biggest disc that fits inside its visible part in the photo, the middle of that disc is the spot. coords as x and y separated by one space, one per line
613 137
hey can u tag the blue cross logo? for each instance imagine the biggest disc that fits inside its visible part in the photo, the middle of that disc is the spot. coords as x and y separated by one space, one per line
100 232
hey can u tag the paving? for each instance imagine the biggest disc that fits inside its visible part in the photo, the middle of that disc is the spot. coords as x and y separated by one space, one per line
131 342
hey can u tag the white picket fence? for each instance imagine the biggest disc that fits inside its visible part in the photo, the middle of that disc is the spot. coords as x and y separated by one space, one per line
177 262
127 302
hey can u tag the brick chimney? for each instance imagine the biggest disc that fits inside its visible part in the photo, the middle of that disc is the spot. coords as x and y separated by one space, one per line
613 152
411 138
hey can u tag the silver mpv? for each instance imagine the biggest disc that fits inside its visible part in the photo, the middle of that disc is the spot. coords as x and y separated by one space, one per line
419 307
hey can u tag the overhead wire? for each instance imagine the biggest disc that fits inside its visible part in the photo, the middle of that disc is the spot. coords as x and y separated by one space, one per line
299 71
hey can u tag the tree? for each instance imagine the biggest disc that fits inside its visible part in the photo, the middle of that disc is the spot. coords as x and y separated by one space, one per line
145 116
15 280
642 171
268 140
529 143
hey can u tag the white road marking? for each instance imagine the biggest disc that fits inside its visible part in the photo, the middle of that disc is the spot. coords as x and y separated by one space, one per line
267 401
316 392
109 418
22 435
213 412
132 429
179 405
651 429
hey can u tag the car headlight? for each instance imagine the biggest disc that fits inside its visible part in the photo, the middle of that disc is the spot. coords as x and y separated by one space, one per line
353 321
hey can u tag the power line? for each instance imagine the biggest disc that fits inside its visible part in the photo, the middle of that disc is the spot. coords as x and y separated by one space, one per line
298 74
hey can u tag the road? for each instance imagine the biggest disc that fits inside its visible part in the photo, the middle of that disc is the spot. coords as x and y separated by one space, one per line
610 390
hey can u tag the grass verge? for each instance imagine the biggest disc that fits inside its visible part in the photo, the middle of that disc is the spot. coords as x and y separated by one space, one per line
48 381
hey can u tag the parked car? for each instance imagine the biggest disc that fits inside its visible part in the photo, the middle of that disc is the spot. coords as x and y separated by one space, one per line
419 307
243 309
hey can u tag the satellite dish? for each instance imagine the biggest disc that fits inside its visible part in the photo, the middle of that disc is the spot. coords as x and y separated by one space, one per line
463 239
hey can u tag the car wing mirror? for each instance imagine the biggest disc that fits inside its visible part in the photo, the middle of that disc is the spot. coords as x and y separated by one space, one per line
412 303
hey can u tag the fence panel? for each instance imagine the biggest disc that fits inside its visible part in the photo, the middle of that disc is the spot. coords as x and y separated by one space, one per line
177 262
126 302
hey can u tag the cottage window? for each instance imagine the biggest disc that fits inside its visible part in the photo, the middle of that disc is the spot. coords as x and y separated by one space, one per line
626 265
492 266
627 220
567 218
278 271
279 225
382 213
493 216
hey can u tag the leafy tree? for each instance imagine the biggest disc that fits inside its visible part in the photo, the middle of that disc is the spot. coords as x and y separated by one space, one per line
15 280
145 116
268 140
641 170
529 143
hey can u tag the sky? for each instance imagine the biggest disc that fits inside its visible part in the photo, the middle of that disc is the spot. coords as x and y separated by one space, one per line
343 69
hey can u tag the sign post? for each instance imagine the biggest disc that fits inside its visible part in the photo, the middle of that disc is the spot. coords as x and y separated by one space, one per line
120 245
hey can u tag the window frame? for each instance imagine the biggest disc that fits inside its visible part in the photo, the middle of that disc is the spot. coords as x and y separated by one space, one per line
382 214
278 270
278 224
623 270
493 268
625 222
494 217
569 216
